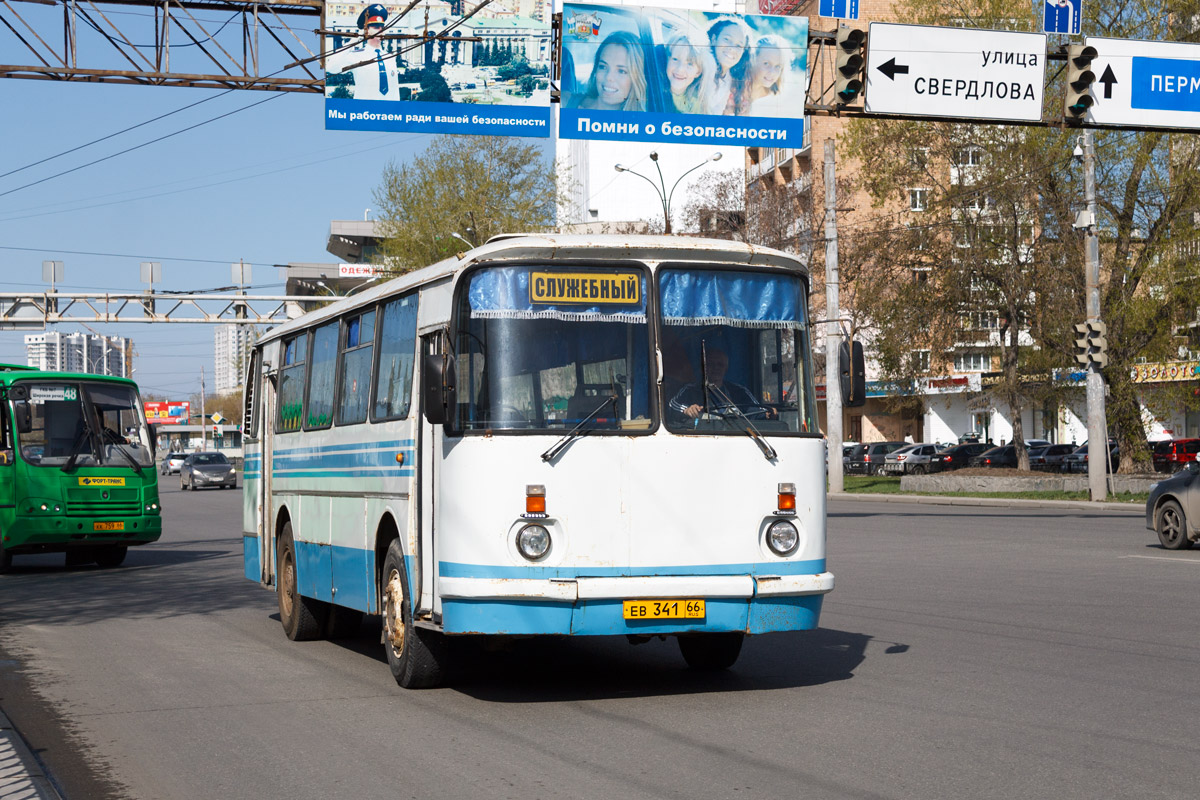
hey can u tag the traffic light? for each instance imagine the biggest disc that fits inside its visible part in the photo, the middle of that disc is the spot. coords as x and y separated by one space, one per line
1079 81
1091 343
848 84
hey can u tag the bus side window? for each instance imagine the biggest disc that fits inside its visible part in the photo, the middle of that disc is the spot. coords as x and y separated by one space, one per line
354 368
318 403
250 396
397 352
291 384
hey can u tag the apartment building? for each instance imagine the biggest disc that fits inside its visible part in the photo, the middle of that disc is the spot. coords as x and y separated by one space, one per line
80 352
231 349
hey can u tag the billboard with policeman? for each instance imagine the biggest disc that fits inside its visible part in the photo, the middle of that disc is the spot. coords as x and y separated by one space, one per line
675 75
432 70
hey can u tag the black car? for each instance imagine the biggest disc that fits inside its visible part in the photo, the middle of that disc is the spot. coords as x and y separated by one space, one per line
1050 458
957 456
1005 456
1078 461
1173 508
867 459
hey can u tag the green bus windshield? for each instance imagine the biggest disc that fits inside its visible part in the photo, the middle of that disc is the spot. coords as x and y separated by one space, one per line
84 423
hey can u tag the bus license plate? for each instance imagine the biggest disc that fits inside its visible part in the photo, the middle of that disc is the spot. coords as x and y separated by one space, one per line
108 526
664 609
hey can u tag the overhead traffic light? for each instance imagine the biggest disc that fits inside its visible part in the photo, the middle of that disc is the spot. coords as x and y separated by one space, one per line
1079 81
1091 343
848 83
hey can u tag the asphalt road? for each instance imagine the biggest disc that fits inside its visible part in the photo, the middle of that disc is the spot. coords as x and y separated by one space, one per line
965 652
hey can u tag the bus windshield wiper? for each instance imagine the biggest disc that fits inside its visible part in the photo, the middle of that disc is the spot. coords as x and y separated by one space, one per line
579 430
751 431
117 444
85 434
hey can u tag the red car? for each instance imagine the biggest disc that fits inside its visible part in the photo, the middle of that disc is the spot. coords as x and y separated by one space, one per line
1171 456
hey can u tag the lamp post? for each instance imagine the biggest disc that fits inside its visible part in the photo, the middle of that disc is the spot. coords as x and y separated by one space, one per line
660 188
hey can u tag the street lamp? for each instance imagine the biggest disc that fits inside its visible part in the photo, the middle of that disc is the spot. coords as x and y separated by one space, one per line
660 188
463 239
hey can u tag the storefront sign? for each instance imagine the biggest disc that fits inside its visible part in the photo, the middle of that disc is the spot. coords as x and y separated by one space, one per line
1165 372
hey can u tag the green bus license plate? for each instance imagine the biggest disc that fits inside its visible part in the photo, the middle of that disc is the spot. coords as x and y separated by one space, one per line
664 609
108 526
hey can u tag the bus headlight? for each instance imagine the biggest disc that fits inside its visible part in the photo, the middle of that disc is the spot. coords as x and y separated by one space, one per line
783 538
533 542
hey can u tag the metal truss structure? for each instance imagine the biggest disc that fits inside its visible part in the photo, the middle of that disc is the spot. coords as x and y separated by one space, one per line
222 44
34 311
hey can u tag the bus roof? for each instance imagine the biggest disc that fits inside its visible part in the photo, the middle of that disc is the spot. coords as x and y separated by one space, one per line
14 372
566 246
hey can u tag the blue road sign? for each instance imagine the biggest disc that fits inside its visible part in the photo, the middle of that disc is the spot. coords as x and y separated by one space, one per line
1062 16
839 9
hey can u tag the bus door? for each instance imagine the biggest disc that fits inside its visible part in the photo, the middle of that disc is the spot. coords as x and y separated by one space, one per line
266 439
429 450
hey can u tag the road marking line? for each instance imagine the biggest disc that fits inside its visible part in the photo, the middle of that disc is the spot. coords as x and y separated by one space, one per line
1167 558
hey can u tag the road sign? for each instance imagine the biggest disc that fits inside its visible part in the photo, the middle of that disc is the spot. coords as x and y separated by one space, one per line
1061 16
1147 84
838 9
923 71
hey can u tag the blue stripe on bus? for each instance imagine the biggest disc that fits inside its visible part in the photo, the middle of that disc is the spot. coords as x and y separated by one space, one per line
606 617
377 459
448 569
324 473
339 447
250 555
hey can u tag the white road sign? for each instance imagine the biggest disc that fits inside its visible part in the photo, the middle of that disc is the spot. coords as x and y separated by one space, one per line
1154 84
924 71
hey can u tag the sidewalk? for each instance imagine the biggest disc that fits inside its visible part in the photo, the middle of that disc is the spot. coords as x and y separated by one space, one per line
1123 509
21 777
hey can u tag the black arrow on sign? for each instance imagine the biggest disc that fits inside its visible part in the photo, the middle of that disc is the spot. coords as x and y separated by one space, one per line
892 69
1108 79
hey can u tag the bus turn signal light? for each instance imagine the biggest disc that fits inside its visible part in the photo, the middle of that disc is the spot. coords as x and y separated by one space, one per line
787 497
535 499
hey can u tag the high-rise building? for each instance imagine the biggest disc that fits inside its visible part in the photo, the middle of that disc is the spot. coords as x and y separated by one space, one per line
80 352
231 351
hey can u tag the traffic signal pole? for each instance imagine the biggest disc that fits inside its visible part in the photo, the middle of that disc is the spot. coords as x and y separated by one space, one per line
833 339
1097 432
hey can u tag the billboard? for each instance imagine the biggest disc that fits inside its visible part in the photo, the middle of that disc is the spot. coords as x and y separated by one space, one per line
168 412
432 71
674 75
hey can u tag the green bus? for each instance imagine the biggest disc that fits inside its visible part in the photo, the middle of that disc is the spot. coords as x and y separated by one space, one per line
76 467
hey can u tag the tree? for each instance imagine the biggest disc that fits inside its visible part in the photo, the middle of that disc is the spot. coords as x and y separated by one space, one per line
993 265
476 186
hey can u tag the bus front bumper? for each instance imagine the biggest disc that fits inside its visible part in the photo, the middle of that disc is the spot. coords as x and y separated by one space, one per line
595 606
55 534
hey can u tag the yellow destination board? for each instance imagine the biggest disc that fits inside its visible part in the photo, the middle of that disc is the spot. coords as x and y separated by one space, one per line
593 288
101 481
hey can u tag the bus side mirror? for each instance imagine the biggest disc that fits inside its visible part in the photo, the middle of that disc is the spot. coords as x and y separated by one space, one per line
153 438
437 388
854 374
21 414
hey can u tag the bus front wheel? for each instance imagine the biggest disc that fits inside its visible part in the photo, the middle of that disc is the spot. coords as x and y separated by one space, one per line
111 556
415 655
5 559
711 651
303 617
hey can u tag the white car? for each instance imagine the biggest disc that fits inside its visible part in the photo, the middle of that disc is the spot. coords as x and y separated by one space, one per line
171 464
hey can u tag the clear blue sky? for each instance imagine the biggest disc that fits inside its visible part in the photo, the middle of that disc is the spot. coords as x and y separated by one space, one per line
260 185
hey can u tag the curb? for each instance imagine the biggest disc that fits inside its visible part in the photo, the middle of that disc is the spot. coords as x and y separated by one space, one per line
21 776
1123 509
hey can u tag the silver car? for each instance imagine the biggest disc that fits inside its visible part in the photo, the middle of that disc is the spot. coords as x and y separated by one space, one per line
911 460
172 463
207 469
1173 508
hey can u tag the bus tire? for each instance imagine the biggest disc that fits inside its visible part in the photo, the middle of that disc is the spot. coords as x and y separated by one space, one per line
711 651
79 557
416 656
111 556
303 618
5 558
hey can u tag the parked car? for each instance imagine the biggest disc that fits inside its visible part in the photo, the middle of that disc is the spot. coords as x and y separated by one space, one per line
207 469
956 456
1173 454
1050 457
911 460
171 464
1005 456
1078 461
1173 508
867 459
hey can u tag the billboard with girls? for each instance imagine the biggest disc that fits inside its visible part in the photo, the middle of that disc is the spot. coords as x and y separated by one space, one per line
676 75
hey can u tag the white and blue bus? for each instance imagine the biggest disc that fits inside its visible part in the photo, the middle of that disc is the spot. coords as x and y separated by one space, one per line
546 435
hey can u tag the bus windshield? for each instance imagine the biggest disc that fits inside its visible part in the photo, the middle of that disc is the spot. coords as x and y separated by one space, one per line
733 345
96 424
542 348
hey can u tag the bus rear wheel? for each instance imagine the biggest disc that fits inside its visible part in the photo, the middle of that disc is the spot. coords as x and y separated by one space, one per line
303 617
5 559
111 556
711 651
415 656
